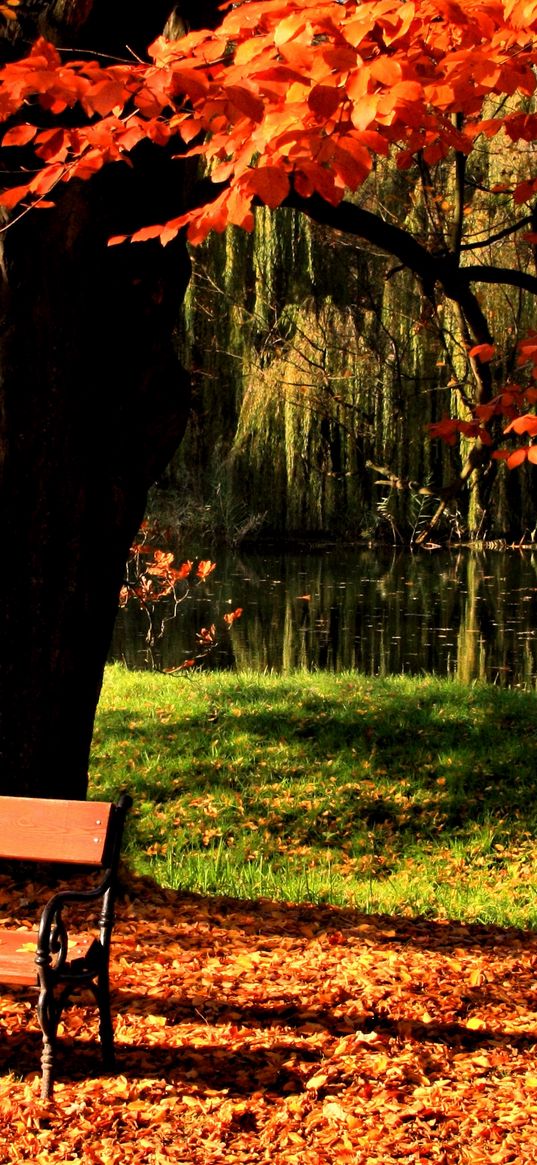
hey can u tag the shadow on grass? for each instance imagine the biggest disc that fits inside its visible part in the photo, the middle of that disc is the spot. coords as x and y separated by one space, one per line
412 762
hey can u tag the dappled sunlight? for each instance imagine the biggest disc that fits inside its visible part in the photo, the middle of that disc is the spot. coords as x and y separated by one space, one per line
362 789
256 1031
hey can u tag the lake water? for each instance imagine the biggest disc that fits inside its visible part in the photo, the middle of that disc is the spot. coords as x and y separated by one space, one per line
459 613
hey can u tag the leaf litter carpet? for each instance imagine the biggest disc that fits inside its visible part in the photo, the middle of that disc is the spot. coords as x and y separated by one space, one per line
297 1035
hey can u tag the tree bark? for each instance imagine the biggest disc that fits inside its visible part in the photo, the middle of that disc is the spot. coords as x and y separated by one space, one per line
93 403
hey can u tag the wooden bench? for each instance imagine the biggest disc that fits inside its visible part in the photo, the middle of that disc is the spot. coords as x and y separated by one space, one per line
75 834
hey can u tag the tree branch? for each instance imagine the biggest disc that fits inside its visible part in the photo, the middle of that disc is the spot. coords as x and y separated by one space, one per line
429 267
510 230
354 220
478 274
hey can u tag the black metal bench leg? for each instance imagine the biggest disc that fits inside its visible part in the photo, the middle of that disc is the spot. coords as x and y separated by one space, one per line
106 1030
48 1018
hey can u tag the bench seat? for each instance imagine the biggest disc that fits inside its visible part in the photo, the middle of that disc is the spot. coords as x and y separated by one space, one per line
17 957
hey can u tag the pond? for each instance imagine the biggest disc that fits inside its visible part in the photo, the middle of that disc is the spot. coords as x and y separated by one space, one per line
467 614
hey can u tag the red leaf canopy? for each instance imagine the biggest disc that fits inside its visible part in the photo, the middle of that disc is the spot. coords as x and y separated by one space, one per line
299 92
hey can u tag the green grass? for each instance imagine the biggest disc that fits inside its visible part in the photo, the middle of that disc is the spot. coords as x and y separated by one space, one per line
397 795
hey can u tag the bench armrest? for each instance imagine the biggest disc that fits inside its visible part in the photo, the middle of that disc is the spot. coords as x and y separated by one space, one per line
52 937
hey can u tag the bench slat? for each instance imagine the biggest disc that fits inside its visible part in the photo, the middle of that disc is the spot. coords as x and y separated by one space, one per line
17 955
54 830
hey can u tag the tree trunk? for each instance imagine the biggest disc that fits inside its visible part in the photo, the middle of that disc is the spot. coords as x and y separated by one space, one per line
93 402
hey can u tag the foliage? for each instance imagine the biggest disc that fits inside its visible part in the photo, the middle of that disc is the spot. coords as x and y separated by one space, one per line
293 104
311 89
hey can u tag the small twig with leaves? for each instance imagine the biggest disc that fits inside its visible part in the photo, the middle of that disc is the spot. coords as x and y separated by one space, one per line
158 579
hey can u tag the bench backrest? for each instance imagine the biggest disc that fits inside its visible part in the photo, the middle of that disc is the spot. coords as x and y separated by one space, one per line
43 830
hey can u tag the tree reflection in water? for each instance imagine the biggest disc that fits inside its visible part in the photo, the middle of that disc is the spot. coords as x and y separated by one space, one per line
468 614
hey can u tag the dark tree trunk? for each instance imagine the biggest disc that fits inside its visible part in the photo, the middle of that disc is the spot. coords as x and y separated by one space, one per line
92 404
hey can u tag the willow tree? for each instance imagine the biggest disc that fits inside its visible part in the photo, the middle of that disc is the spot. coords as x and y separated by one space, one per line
288 102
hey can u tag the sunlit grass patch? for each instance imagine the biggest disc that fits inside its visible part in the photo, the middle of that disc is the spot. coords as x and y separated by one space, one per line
395 794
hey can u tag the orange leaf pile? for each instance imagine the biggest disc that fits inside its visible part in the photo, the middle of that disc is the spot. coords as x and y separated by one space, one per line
253 1032
306 92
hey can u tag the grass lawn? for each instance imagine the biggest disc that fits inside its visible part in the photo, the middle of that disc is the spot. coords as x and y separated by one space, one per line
399 795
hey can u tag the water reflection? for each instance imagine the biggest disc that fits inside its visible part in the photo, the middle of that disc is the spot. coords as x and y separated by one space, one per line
470 615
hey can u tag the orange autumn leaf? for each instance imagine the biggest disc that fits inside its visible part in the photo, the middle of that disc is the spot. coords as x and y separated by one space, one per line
187 663
517 457
145 233
524 424
246 101
483 352
449 428
231 617
269 184
365 67
207 634
387 70
154 586
325 99
183 570
285 99
205 568
14 195
19 135
161 563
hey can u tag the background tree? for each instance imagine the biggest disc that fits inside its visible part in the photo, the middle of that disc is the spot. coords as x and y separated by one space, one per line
288 104
314 354
308 362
